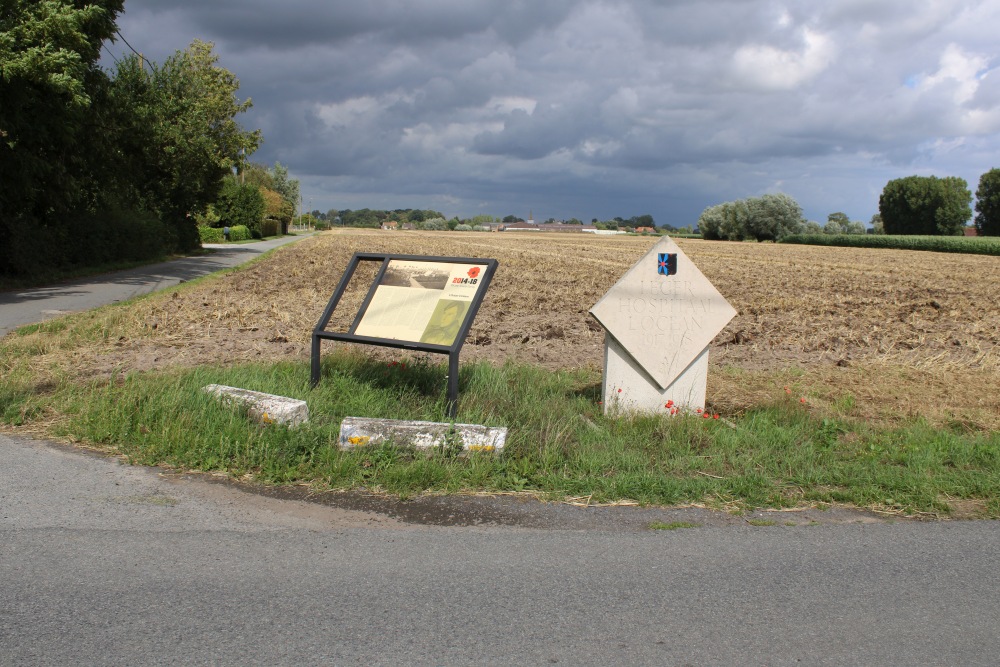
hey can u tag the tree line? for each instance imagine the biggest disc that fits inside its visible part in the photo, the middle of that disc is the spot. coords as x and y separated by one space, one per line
915 205
106 166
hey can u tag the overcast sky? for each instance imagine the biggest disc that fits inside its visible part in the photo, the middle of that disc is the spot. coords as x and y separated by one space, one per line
596 109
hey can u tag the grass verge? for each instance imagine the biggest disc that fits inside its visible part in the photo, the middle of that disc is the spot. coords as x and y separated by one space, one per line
560 444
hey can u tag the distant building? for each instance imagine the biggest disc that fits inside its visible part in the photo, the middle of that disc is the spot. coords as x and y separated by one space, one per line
558 227
390 225
520 226
971 231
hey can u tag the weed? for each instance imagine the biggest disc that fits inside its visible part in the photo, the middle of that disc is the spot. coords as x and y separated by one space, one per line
673 525
761 522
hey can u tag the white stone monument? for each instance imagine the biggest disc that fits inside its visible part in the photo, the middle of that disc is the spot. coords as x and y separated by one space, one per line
659 320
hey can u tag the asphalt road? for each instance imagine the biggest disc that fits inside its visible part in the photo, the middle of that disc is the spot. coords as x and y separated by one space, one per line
107 564
103 563
20 307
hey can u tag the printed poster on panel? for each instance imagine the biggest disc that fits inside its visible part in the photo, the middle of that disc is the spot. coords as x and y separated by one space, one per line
423 302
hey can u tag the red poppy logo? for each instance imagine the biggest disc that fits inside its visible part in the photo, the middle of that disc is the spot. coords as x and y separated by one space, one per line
474 272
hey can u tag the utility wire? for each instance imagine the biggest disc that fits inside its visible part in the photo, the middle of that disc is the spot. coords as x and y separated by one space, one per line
109 52
142 58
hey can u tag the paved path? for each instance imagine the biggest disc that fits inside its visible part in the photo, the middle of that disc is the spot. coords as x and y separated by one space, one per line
20 307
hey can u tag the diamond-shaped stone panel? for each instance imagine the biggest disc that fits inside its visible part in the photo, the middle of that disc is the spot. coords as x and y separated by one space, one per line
663 321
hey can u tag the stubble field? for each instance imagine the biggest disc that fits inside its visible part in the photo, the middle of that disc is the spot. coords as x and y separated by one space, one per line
879 335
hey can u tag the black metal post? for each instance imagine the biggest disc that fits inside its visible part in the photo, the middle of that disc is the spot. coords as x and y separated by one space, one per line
452 385
314 374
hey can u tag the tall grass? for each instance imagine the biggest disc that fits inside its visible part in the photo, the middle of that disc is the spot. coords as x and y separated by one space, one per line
560 444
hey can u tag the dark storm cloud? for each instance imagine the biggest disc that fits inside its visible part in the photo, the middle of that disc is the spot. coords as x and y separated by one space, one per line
603 107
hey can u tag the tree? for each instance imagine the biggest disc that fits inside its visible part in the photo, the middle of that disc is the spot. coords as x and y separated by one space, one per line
925 205
877 226
183 133
812 227
48 78
766 218
240 205
287 187
988 204
836 223
774 216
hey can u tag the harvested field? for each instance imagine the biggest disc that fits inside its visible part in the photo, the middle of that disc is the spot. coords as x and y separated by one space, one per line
875 334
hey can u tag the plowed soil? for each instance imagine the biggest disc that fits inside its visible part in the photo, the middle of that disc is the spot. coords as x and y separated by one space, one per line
877 334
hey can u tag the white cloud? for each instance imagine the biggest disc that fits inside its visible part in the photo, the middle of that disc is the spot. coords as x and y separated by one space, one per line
959 71
771 68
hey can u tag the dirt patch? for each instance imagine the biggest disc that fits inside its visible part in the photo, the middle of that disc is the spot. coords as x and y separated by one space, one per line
878 334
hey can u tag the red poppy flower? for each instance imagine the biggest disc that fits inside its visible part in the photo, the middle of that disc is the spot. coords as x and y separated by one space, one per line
474 272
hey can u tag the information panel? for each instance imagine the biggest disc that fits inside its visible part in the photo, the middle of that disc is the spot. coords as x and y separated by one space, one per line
420 301
415 302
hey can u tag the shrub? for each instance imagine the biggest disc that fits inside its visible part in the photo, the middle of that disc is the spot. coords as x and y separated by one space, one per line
211 235
463 228
321 225
240 233
961 244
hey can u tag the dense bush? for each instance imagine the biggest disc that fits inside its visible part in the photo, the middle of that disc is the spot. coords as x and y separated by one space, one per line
962 244
211 235
321 225
240 233
87 240
269 228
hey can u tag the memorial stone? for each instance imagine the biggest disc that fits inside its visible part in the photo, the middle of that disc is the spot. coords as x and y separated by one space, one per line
659 320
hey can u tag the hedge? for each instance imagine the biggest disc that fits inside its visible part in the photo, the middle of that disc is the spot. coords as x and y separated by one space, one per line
211 235
240 233
976 245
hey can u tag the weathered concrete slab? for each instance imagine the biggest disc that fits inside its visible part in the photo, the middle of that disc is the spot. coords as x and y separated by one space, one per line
365 432
265 408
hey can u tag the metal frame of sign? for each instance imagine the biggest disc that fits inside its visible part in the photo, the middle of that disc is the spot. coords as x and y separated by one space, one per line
320 333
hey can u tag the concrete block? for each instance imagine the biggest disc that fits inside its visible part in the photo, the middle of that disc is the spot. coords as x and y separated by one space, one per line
265 408
365 432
